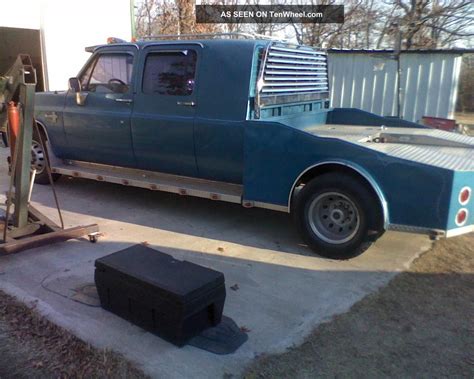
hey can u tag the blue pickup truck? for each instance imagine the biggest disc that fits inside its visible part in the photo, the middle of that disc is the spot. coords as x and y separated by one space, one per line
248 121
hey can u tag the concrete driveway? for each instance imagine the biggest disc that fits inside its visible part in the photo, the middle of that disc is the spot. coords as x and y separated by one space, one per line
284 291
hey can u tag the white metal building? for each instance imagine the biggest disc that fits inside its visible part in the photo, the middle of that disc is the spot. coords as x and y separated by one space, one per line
369 80
55 33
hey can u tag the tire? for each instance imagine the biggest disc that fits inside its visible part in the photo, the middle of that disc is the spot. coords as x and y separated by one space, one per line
38 160
333 213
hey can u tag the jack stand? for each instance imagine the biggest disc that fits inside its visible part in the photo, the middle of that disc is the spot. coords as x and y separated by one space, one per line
28 228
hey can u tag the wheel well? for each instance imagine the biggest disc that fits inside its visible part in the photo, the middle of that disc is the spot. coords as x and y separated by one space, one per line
377 223
42 130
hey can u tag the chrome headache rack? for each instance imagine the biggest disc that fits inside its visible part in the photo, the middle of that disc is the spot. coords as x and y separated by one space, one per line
291 74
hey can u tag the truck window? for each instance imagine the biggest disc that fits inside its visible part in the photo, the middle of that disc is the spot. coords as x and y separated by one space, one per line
170 73
108 73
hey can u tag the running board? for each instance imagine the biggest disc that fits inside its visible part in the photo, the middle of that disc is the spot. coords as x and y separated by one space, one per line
181 185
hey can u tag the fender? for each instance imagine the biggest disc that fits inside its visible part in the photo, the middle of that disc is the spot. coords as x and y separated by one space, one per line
42 126
361 171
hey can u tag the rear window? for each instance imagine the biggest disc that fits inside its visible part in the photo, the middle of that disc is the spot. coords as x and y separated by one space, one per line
170 73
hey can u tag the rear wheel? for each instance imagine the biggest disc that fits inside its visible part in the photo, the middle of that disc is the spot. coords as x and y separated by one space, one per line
333 213
38 159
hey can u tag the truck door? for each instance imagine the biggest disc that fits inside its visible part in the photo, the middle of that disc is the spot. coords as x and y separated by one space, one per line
99 130
164 109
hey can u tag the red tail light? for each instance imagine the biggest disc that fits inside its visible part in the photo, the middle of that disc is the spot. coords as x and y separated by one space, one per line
461 217
465 196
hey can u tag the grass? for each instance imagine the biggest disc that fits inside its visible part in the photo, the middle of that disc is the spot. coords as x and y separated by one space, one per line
420 325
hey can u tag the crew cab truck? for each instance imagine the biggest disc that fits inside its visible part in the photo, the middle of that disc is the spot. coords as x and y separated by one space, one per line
248 121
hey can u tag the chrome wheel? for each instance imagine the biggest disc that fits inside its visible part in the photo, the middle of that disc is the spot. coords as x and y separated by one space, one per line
37 157
333 217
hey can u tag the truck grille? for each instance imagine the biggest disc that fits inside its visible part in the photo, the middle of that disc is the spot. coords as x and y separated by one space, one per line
294 71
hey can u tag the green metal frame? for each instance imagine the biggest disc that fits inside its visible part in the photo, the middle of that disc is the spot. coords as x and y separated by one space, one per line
29 227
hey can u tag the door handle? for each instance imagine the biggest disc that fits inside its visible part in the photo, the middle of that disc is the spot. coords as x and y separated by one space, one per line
128 101
186 103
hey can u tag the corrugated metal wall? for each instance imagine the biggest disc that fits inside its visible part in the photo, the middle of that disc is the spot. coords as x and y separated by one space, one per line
369 81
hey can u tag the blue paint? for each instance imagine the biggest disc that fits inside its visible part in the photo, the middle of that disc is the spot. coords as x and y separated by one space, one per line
99 131
52 103
162 130
416 194
352 116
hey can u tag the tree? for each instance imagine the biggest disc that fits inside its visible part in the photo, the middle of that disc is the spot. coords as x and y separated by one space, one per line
465 101
356 31
368 23
158 17
433 23
186 19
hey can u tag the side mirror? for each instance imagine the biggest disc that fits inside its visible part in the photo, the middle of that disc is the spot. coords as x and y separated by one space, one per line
74 85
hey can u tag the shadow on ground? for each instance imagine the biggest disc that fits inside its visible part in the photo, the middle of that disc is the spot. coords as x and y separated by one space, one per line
180 214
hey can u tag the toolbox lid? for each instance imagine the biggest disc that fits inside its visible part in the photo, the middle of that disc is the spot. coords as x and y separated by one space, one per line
181 279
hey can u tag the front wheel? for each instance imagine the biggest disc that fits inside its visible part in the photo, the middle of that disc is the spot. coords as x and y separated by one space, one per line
332 213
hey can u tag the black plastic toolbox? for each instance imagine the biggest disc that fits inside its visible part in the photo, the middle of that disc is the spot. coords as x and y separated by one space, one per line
174 299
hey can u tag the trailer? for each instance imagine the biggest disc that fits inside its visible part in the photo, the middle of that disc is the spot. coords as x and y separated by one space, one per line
46 31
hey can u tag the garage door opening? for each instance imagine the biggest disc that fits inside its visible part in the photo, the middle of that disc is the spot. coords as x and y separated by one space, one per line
14 41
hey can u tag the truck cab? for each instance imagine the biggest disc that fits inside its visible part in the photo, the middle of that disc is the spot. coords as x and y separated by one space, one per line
171 107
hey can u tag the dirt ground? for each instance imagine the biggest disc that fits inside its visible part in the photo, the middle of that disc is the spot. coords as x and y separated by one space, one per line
468 120
464 118
420 325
